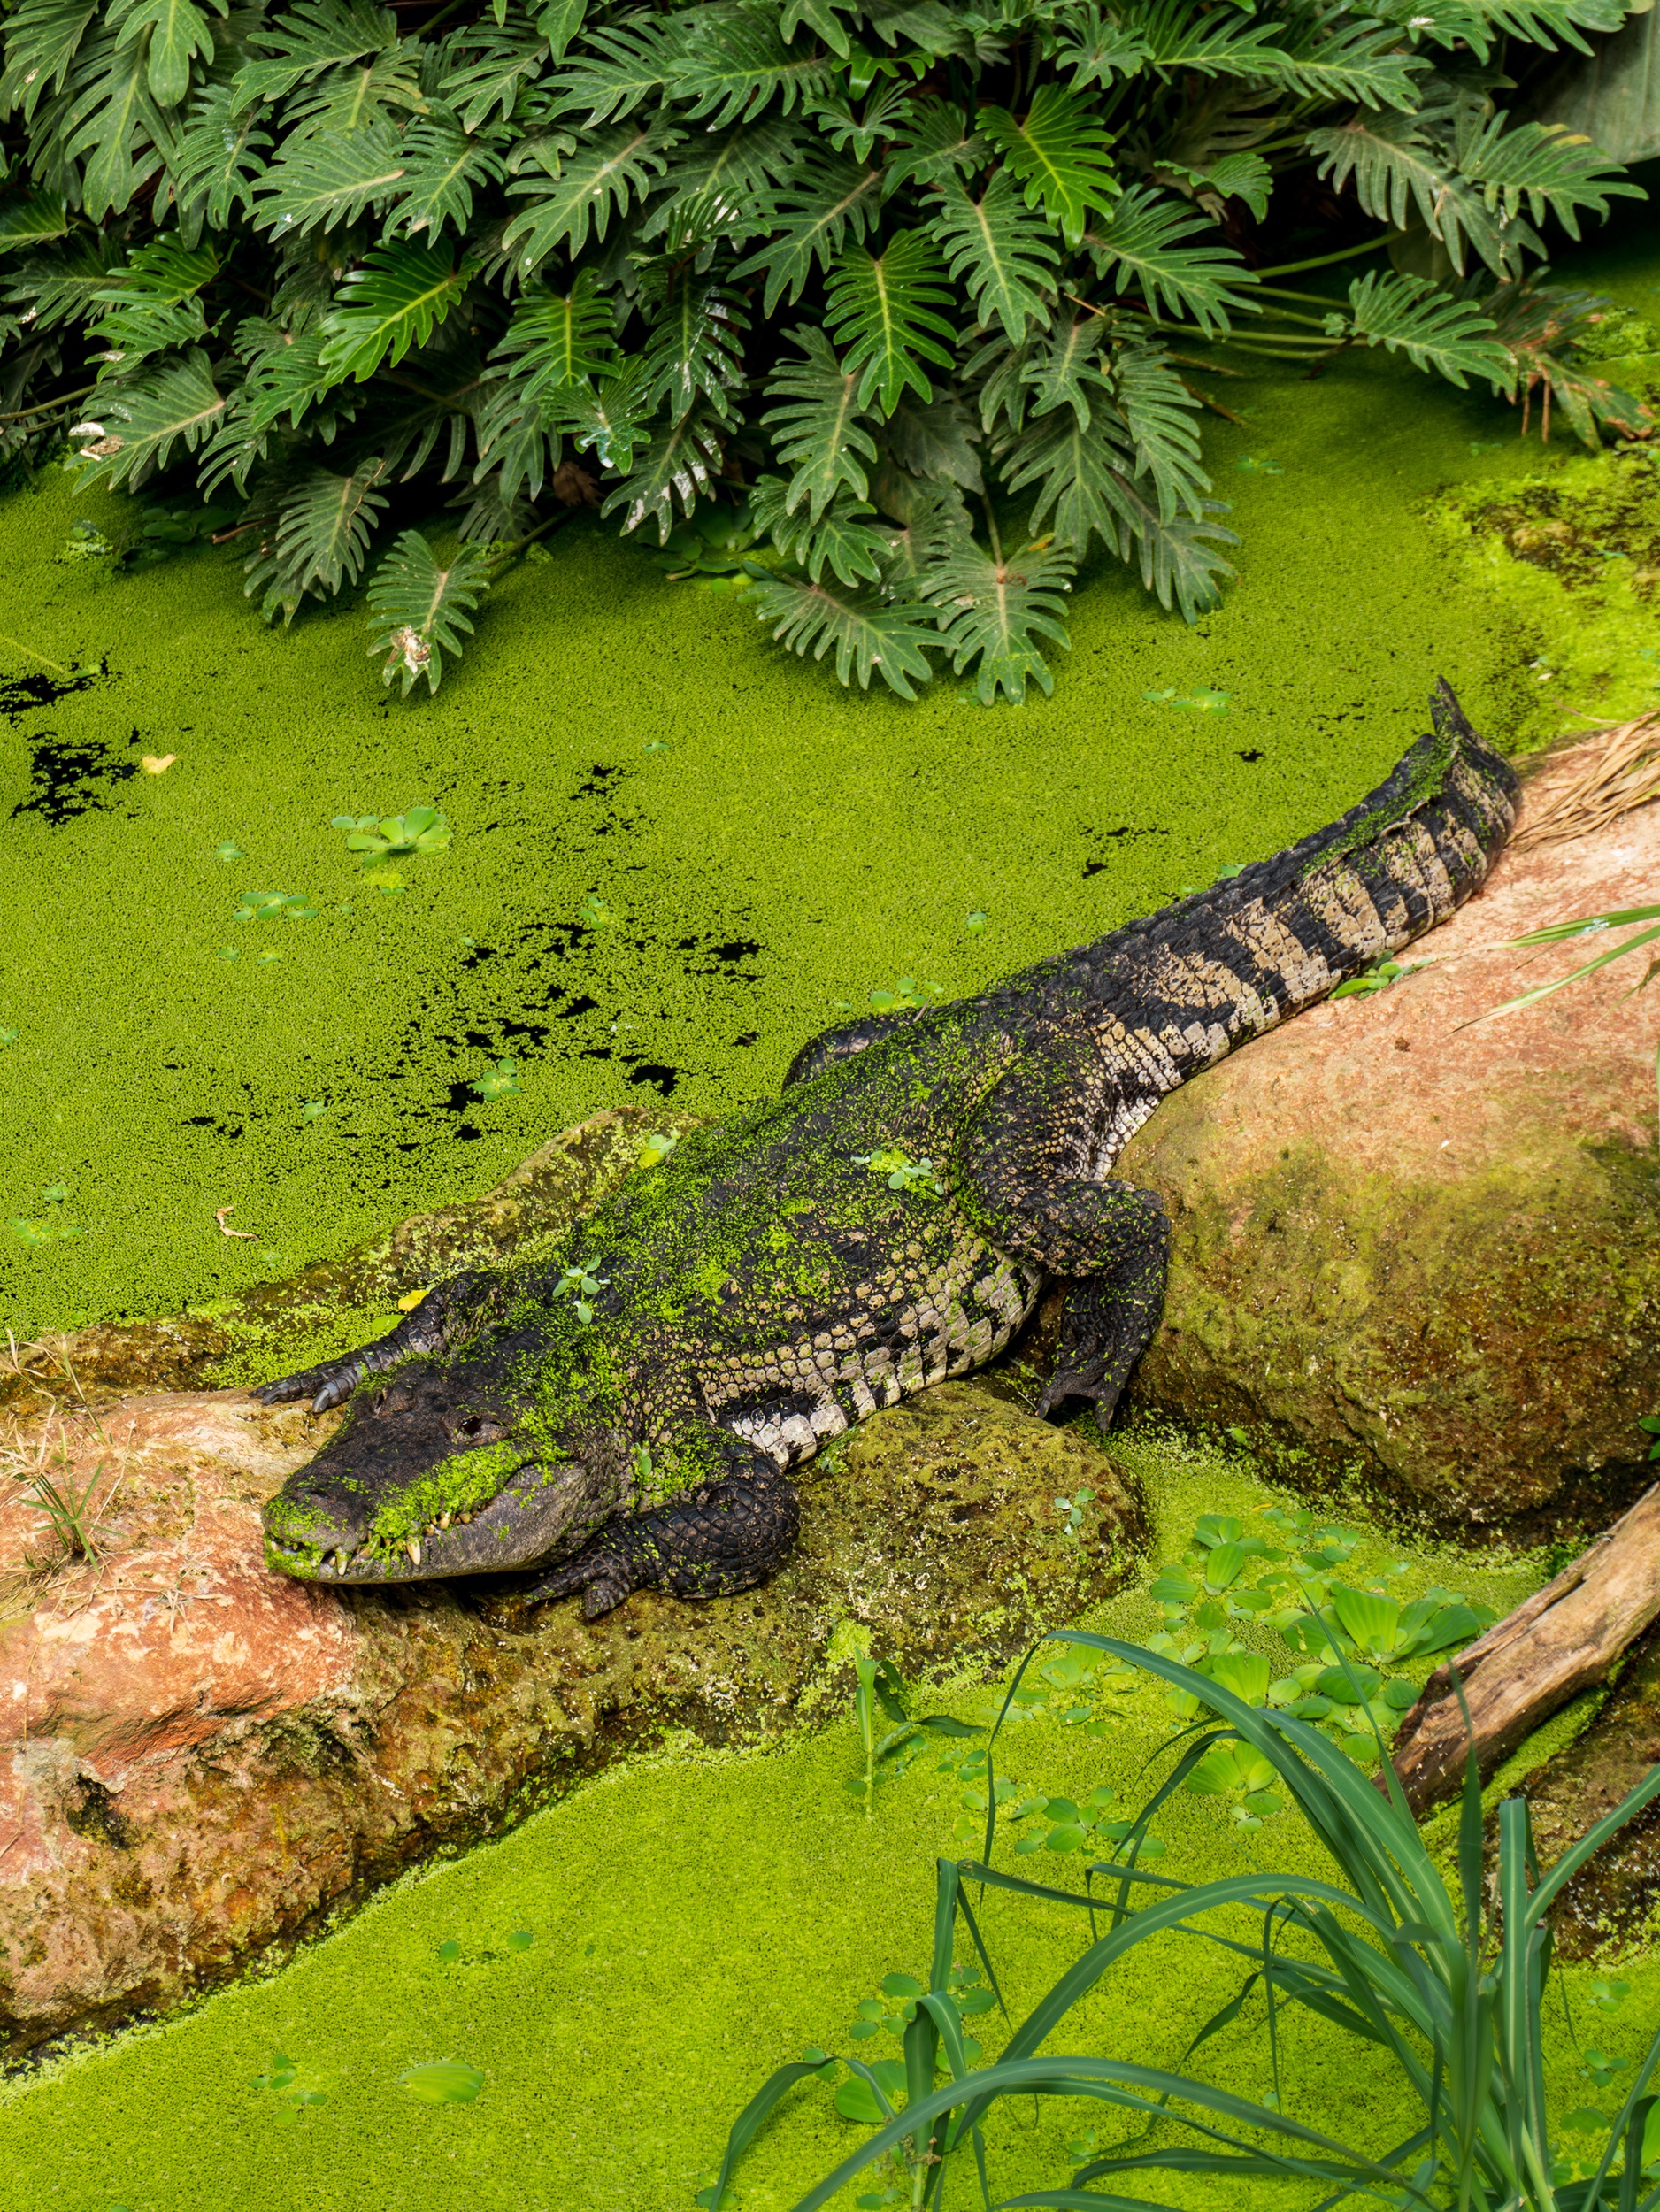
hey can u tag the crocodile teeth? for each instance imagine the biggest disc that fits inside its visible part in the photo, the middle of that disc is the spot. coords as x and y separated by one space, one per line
342 1562
414 1551
443 1520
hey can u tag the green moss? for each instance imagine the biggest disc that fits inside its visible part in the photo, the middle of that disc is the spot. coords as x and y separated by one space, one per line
457 1485
1568 558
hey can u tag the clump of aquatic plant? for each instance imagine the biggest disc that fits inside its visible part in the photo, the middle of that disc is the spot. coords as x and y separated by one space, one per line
908 992
901 1170
579 1285
1202 700
657 1148
1355 1639
86 542
594 913
274 906
878 1691
281 2078
1075 1512
1443 1983
1377 977
442 2081
417 834
500 1081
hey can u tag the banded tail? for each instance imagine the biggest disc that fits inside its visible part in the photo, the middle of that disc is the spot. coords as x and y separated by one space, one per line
1222 966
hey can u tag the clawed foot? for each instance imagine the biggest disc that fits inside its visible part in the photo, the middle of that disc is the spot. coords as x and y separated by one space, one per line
599 1571
331 1383
1085 1382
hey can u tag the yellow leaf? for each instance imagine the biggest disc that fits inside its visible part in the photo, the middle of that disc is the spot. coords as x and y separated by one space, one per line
156 764
409 1305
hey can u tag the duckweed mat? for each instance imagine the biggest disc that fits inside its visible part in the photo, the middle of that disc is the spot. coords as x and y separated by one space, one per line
677 851
613 1981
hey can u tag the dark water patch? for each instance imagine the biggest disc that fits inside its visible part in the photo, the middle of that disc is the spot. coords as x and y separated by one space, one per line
21 695
68 779
662 1079
1253 757
1125 830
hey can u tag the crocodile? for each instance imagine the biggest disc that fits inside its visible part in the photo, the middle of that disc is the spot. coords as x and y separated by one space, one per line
627 1412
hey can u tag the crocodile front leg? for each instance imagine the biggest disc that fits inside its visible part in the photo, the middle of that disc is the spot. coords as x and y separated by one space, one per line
721 1537
446 1316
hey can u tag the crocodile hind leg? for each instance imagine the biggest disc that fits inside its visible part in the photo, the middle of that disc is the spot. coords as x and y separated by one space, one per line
1109 1318
721 1537
446 1316
1107 1241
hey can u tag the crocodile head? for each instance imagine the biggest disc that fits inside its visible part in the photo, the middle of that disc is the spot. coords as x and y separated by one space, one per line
429 1475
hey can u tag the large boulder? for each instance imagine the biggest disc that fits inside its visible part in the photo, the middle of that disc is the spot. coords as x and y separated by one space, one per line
201 1762
1426 1254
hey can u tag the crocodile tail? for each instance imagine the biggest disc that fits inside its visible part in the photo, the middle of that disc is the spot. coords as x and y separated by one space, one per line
1238 959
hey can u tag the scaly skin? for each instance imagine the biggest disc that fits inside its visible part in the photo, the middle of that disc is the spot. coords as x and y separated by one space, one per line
768 1286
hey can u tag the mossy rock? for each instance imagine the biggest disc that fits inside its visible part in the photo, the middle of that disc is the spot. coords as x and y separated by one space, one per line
1418 1250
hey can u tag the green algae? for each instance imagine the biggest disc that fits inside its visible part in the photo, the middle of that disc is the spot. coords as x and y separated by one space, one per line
693 1920
793 849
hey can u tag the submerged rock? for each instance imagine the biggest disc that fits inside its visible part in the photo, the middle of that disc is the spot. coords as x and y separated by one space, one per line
1425 1255
201 1762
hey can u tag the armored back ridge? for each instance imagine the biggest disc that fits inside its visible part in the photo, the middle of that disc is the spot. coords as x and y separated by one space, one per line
889 1221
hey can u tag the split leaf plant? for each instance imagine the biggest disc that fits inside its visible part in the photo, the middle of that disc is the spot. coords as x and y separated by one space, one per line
392 293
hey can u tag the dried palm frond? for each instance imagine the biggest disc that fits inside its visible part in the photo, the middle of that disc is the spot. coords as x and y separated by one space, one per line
1621 770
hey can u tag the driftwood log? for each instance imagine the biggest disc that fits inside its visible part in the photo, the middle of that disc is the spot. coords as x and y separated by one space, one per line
1564 1640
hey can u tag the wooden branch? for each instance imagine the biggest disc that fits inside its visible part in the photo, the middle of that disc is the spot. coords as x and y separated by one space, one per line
1527 1666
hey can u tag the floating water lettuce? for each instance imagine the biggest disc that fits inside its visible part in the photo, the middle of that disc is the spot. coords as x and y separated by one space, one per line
419 832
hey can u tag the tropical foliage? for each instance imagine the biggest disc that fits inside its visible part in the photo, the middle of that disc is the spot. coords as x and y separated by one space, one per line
866 277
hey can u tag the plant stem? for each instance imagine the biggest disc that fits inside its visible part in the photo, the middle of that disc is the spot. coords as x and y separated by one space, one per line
64 399
510 553
29 653
991 527
1321 261
1315 299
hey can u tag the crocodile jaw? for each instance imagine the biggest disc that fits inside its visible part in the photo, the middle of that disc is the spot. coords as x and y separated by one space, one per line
540 1514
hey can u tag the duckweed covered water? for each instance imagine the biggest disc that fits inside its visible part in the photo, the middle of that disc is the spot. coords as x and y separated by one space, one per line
625 1971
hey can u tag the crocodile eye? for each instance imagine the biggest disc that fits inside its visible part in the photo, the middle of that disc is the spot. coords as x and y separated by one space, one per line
470 1425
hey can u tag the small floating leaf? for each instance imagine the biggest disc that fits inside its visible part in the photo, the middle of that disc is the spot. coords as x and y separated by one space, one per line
448 1949
443 2081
